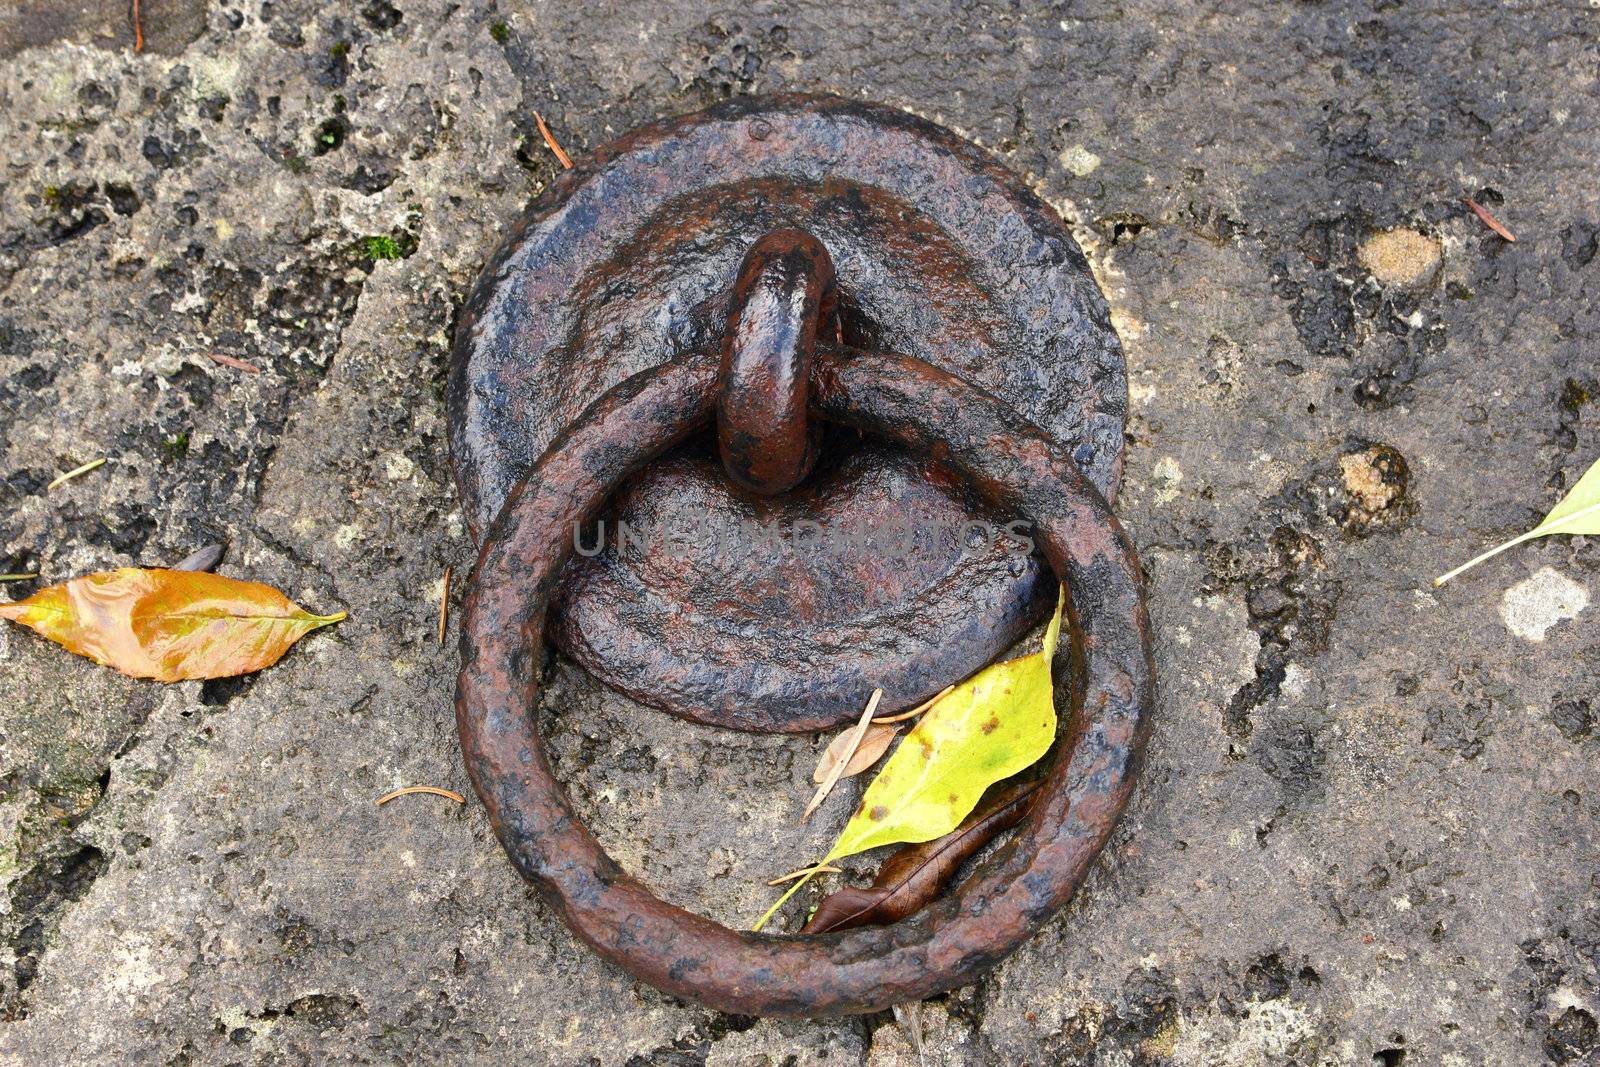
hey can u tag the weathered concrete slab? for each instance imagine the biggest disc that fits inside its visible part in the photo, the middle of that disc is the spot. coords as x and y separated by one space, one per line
1369 830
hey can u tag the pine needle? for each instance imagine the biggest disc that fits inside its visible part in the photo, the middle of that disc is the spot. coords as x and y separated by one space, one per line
19 577
550 142
804 872
918 710
1488 219
838 768
234 362
434 790
74 472
444 603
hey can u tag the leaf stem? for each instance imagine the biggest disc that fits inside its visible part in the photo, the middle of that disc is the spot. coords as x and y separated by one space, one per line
1541 530
787 893
1475 560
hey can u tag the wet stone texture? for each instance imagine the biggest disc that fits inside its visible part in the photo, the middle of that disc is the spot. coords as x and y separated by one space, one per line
1368 830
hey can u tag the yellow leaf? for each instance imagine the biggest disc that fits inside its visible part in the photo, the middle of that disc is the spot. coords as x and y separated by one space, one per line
989 727
166 624
1577 513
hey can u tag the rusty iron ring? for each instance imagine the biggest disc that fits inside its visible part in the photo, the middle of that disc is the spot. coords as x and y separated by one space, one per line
941 253
968 930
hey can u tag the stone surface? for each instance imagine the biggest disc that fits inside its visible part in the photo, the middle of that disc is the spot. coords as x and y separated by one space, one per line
1368 830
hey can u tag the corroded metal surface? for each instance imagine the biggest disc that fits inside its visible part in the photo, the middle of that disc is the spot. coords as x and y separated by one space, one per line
630 259
784 294
1003 902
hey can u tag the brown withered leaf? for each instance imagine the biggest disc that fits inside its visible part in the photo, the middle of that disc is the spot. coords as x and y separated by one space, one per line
915 874
168 625
874 743
853 738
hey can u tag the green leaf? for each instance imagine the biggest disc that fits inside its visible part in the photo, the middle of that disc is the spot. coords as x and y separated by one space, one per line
996 723
1577 513
1579 510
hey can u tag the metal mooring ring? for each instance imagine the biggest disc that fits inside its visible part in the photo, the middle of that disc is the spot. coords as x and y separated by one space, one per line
1000 904
631 257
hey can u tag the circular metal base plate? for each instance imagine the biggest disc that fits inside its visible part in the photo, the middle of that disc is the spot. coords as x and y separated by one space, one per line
721 605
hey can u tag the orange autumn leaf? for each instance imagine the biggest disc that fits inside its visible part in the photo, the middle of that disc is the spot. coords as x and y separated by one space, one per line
168 625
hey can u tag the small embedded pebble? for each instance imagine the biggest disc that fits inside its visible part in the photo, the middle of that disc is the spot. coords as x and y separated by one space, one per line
1401 257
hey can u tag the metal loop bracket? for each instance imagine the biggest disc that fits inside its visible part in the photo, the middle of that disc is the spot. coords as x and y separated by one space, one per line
784 293
759 229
